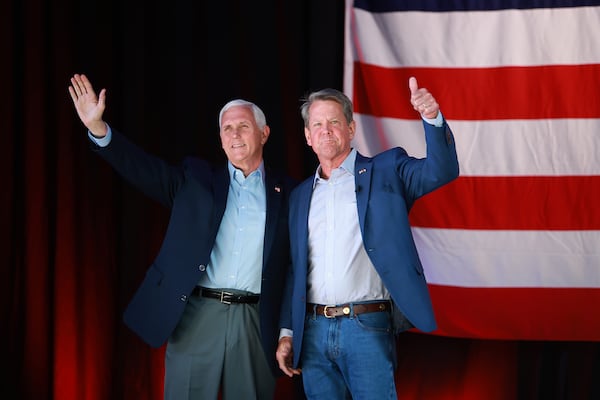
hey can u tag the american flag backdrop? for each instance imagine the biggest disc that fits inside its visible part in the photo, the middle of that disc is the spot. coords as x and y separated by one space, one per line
511 249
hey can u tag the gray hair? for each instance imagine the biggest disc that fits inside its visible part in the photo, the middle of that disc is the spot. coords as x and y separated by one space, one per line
327 94
259 116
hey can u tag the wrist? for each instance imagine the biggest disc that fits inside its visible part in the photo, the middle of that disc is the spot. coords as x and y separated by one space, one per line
98 130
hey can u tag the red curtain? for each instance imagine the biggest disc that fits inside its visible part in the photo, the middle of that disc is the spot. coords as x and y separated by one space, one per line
75 240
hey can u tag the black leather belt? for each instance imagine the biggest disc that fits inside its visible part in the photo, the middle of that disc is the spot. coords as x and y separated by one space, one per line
346 310
226 297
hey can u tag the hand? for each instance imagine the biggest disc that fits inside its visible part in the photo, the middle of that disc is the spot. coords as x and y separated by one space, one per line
89 106
285 356
422 100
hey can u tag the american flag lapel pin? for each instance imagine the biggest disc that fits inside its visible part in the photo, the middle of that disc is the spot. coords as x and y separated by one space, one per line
277 189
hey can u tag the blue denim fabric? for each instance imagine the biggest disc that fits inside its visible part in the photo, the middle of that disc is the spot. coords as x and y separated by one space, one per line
349 357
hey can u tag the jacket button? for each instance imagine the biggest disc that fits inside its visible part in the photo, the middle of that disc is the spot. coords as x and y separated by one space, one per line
202 267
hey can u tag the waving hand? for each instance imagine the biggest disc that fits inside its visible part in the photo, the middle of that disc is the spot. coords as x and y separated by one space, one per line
88 105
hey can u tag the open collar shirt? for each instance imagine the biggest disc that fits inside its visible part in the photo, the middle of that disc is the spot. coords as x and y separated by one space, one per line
339 269
237 257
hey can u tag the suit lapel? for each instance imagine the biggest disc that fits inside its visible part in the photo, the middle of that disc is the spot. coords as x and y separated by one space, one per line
304 198
274 196
362 178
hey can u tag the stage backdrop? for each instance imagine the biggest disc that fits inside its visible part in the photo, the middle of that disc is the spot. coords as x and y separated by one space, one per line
511 249
75 240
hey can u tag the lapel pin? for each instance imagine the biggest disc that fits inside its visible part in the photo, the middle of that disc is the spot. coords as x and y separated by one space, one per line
362 171
277 189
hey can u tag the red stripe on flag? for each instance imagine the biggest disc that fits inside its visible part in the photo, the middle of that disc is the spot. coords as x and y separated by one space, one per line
554 91
512 203
524 313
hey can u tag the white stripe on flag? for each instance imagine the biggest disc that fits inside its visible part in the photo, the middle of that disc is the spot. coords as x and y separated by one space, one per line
486 258
551 147
476 38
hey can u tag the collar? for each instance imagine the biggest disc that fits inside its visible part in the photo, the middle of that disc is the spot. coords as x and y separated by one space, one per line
347 164
238 174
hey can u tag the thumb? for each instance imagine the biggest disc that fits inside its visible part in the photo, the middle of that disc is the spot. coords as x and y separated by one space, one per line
102 98
412 84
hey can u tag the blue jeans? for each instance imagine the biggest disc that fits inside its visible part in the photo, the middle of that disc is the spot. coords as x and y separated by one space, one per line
349 357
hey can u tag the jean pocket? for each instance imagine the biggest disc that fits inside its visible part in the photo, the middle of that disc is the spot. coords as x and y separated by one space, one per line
374 322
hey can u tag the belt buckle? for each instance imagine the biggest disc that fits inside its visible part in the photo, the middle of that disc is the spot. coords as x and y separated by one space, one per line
222 300
325 312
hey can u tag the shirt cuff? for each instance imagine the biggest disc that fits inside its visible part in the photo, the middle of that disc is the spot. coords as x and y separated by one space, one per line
286 332
437 121
103 141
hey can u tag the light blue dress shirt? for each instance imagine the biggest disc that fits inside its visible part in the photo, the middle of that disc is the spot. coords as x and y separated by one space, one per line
339 269
237 257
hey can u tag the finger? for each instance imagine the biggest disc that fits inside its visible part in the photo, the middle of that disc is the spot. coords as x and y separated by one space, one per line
287 371
87 85
102 98
283 367
75 86
290 371
413 85
73 94
78 85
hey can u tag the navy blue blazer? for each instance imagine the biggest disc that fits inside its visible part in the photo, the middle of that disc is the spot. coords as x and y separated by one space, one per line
196 192
386 187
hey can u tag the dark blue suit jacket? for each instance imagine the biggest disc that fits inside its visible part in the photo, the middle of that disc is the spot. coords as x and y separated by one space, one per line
196 193
386 187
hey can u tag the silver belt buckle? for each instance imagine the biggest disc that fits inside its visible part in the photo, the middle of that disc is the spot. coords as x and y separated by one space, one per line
222 300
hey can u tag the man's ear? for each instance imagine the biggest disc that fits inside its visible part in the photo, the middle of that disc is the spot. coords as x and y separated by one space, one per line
307 137
265 134
352 128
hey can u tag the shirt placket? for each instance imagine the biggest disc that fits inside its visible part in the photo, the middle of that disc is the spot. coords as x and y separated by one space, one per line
240 225
330 239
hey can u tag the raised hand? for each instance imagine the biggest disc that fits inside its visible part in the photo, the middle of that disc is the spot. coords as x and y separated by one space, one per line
422 100
89 107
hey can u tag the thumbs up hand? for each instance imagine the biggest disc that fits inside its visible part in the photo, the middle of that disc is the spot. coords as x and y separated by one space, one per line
422 100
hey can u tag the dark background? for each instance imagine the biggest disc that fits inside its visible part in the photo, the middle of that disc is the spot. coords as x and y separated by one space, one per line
75 240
